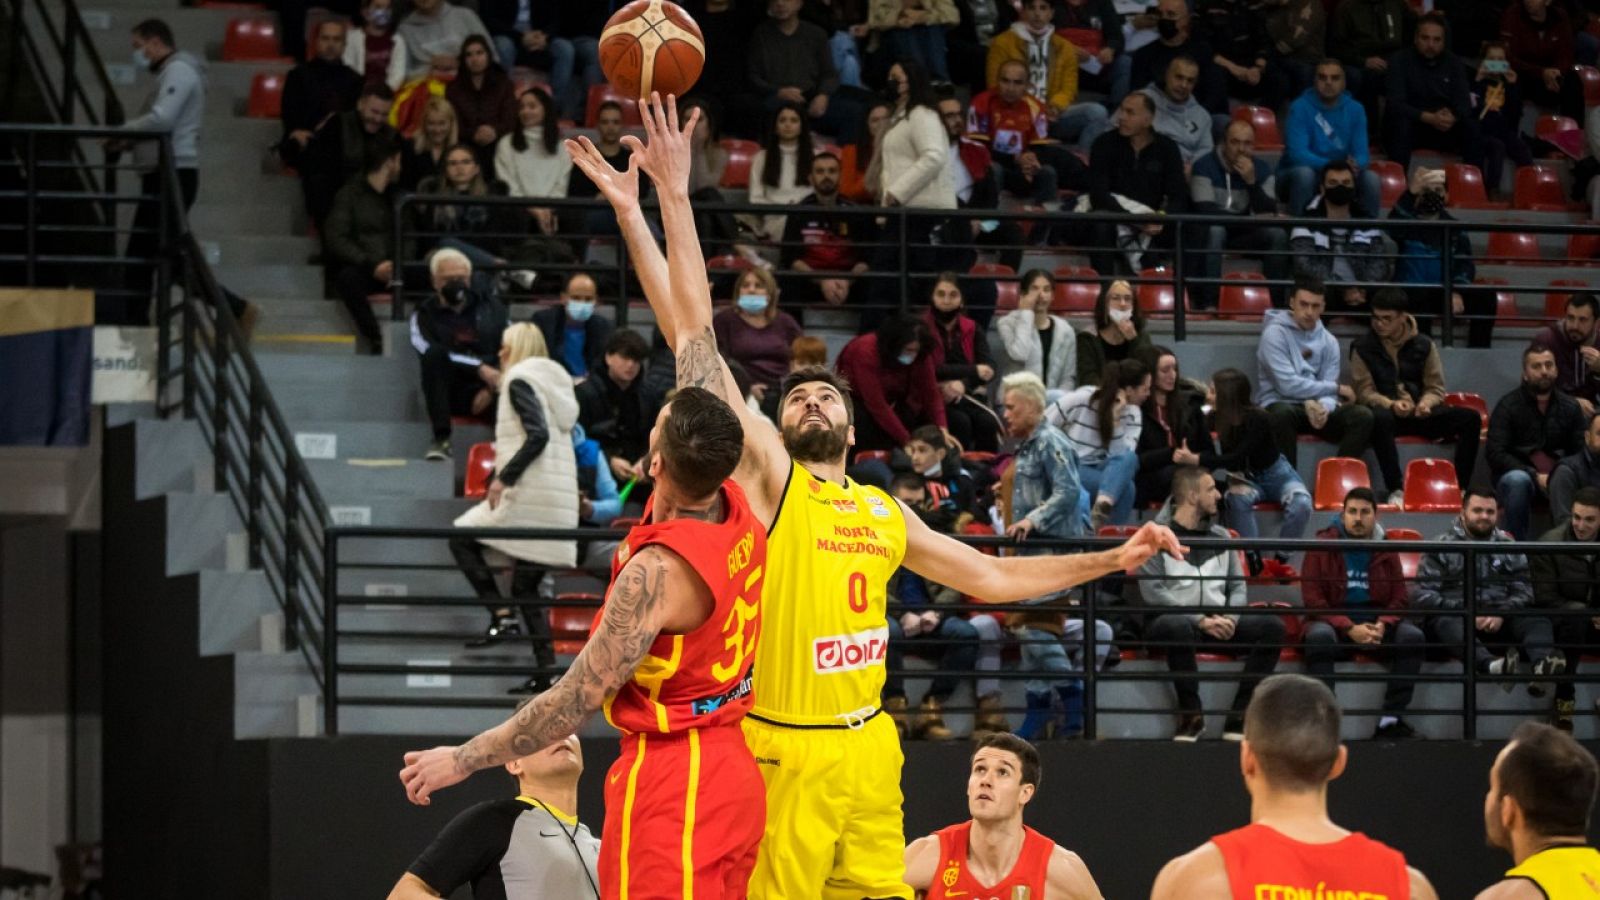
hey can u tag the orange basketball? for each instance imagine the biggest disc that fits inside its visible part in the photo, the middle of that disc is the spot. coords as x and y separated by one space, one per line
651 45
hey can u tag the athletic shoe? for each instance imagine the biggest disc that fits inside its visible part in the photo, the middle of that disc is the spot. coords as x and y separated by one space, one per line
502 628
523 278
1233 729
1190 728
1397 499
1563 715
439 449
1398 731
1506 665
1554 664
1099 515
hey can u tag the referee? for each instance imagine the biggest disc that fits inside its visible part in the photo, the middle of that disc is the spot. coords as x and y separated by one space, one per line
528 847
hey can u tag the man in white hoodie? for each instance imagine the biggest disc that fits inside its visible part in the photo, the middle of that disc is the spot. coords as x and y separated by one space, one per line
1178 114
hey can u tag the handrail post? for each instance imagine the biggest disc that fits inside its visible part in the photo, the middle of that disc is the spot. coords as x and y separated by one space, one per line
1447 262
69 65
219 399
31 215
1090 596
1180 298
397 280
905 261
330 632
253 432
291 556
1469 660
620 317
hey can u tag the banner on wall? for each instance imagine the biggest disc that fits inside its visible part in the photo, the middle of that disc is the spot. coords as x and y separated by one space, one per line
124 365
46 343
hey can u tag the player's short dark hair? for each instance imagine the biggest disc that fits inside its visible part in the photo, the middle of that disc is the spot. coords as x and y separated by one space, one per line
1587 496
1292 725
1360 495
1479 490
1024 751
1552 778
700 442
627 343
1390 300
807 374
911 481
156 29
1185 479
1584 298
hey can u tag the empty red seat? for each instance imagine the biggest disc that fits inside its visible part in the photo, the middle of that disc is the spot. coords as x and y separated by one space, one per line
252 39
480 470
1265 123
1469 400
1463 183
867 455
1391 181
1513 248
740 152
1121 531
1005 283
600 93
569 626
728 262
1590 76
1547 126
1409 560
1077 290
266 96
1089 39
1555 302
1158 296
1431 486
1246 301
1337 476
1583 248
1538 188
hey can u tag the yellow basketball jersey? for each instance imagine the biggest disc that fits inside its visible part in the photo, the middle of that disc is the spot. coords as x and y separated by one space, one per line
1563 873
830 553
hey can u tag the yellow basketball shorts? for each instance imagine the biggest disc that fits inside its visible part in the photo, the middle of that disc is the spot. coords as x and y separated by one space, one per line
835 827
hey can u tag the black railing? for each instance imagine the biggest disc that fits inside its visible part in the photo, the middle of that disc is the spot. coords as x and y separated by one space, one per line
70 42
1097 600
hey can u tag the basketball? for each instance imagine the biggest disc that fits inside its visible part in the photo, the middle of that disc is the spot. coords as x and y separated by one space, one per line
652 45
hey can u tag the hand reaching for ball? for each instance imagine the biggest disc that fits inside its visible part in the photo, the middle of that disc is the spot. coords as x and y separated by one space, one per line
620 188
667 154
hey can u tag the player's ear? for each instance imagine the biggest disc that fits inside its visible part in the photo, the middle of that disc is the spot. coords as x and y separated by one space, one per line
653 467
514 767
1249 766
850 436
1026 794
1339 762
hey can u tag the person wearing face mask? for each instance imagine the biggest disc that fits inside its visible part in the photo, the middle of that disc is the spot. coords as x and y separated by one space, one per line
964 366
373 49
1177 36
1421 261
892 383
755 333
1349 255
1118 333
575 335
456 331
358 240
824 245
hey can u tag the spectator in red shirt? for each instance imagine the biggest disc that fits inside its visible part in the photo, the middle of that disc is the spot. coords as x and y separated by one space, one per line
821 242
892 383
963 365
1539 39
1017 127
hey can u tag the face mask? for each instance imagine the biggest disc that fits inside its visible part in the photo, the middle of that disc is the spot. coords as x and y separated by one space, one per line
454 291
1118 316
380 17
933 471
1339 195
988 226
580 310
140 61
947 315
1167 28
754 304
906 359
1496 66
1431 203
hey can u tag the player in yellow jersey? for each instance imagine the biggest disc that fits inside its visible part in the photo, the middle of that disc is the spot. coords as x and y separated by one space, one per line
1541 792
831 762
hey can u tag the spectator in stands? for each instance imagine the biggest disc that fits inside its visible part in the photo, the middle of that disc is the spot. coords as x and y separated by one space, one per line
1397 372
1366 34
1346 256
1172 431
1118 333
1497 97
1107 68
1570 583
963 365
1372 582
719 230
789 61
1132 168
825 243
335 154
613 409
1177 37
484 98
433 34
1046 501
373 48
574 49
855 159
1575 342
1257 470
479 231
530 160
608 140
892 383
316 90
1017 128
1299 33
950 499
915 32
457 332
807 350
1429 100
1102 424
1050 62
1178 114
755 333
1421 261
576 335
1237 33
1503 583
358 240
1205 577
1539 41
482 845
725 26
780 171
533 486
973 169
1233 181
1576 472
421 156
1297 362
1325 124
1036 341
1531 429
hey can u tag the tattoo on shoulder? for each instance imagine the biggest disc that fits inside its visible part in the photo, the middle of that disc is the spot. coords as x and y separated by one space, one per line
629 625
699 365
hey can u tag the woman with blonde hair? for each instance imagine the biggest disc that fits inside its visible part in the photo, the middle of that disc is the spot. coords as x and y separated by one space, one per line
423 156
535 485
755 333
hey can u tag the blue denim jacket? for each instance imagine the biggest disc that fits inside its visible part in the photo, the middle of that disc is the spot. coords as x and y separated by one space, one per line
1046 488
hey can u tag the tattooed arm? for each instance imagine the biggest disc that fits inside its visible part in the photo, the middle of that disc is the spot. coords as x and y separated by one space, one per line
656 591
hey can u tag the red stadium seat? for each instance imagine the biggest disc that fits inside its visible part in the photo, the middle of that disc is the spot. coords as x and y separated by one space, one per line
1121 531
252 39
1005 283
1583 249
1463 184
600 93
1539 188
1391 180
982 457
1555 302
266 96
1337 476
1513 248
1590 76
1244 302
1158 297
1469 400
1549 125
867 455
740 152
1431 486
1077 290
1089 39
569 625
728 262
480 471
1265 123
1409 560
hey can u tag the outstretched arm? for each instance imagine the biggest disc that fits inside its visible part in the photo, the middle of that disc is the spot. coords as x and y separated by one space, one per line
636 610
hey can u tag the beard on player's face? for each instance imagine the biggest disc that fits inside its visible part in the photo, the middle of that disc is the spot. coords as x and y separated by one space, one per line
814 443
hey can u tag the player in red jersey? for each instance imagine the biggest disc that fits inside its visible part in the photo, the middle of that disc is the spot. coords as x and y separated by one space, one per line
1291 848
994 855
670 661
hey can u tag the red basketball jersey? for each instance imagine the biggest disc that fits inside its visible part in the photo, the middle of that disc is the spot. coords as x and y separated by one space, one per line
700 679
1264 864
1025 881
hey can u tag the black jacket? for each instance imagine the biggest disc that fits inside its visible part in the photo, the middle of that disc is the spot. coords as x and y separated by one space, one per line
471 334
619 419
1250 448
1156 442
1562 580
1408 368
315 90
1235 31
1150 61
1517 430
334 156
1154 177
552 322
1573 473
359 230
1417 85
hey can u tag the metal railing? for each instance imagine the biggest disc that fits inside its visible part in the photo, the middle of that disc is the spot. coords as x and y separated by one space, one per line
69 41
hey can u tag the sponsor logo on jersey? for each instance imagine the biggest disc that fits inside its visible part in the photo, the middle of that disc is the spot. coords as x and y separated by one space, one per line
846 506
952 873
814 485
850 652
876 507
705 706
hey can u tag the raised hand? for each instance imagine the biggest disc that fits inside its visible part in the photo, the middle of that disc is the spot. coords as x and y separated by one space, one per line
620 188
1147 542
667 154
427 771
